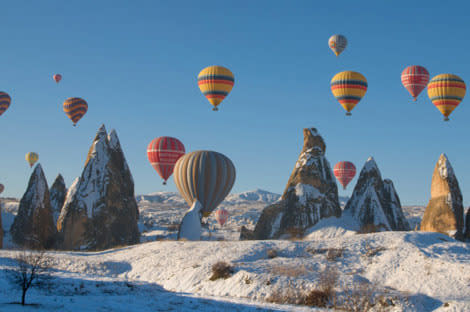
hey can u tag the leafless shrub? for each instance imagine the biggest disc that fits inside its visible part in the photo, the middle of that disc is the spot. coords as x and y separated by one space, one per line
291 294
272 253
360 298
32 269
324 295
221 269
371 252
295 233
334 253
371 228
290 270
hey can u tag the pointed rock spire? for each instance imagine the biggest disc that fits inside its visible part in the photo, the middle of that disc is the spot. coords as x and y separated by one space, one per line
34 226
310 194
375 204
57 194
444 212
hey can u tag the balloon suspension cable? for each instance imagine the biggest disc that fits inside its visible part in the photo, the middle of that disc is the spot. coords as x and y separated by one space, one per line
446 118
215 109
348 114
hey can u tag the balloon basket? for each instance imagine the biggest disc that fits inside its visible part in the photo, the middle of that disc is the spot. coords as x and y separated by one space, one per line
164 182
348 114
215 109
446 119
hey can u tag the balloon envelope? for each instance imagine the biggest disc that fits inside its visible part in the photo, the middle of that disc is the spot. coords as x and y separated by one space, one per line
348 87
215 82
57 77
163 152
446 91
31 158
2 188
5 101
206 176
415 78
344 171
75 108
221 215
337 43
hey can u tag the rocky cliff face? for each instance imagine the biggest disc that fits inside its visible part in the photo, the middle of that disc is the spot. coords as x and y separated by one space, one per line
1 228
467 225
444 212
375 204
57 195
310 195
34 226
100 210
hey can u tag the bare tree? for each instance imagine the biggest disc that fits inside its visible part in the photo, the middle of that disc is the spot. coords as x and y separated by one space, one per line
32 269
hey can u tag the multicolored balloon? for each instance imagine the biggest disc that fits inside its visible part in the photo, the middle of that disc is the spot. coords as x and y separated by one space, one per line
337 43
57 77
415 78
215 82
446 91
221 215
5 101
31 158
2 188
205 176
75 108
163 153
344 171
349 88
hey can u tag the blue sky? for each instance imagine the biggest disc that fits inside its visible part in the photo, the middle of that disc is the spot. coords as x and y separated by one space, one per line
136 64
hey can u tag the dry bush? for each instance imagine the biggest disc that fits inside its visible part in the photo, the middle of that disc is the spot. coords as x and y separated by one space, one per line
221 269
371 228
291 294
374 251
290 270
295 233
272 253
324 295
360 298
334 253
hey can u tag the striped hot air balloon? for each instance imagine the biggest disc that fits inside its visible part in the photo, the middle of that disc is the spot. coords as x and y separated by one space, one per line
75 108
349 88
163 152
31 158
337 43
344 171
446 91
415 78
2 188
215 82
5 101
205 176
57 77
221 215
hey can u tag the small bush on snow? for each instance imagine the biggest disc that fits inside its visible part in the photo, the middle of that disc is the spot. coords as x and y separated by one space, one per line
221 269
272 253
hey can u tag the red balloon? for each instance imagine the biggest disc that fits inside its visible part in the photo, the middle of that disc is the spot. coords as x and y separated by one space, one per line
57 77
415 78
344 171
221 215
163 152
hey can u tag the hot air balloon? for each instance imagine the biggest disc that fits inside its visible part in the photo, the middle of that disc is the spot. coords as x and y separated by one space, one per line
215 83
348 87
163 152
221 215
415 78
337 43
204 176
446 91
344 171
57 77
31 158
5 101
2 188
75 108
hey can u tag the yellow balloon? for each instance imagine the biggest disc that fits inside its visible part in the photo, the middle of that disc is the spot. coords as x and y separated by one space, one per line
215 82
349 88
31 158
446 91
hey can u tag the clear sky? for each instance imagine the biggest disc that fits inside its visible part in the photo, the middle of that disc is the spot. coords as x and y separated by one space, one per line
136 63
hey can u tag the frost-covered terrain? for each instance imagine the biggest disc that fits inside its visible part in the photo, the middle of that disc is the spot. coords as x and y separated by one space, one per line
413 271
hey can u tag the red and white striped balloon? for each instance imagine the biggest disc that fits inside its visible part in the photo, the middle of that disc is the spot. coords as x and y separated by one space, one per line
415 78
163 152
57 77
221 215
344 171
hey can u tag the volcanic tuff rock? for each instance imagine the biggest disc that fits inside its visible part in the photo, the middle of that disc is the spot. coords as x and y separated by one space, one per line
375 204
1 228
444 212
57 196
310 195
34 224
100 210
467 225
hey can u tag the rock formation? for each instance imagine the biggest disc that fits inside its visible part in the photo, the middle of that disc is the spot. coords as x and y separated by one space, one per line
467 225
375 204
57 195
100 210
34 224
444 212
1 227
310 195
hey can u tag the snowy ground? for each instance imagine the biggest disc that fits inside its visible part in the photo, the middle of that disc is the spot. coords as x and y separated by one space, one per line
414 271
